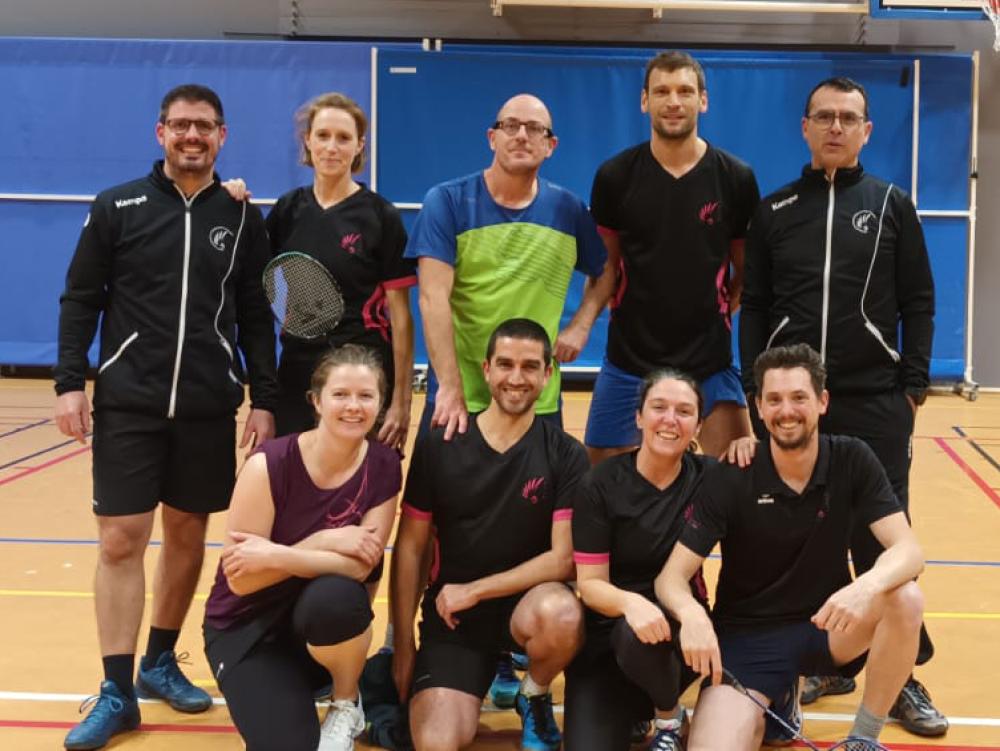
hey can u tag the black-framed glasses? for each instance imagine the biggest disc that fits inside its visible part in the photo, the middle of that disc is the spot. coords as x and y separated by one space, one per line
826 118
511 126
179 126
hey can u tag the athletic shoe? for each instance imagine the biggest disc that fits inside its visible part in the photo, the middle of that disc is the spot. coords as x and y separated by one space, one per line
854 743
788 709
640 730
666 739
914 711
503 690
520 661
344 722
539 730
110 713
166 681
816 686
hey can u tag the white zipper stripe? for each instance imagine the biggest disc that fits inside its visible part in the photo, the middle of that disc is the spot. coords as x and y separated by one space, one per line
118 353
826 270
780 326
182 318
864 293
222 285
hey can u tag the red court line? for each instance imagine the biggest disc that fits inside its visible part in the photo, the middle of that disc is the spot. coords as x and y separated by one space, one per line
45 465
979 481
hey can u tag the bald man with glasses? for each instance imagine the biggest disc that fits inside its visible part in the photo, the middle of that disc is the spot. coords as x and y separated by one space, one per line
837 260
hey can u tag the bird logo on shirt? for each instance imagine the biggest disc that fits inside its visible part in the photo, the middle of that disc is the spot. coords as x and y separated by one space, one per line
532 490
350 242
707 212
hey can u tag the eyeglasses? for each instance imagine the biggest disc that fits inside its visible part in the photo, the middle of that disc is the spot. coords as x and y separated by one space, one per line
179 126
511 126
825 119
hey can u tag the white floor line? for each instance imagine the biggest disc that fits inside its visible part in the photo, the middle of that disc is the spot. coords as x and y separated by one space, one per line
992 722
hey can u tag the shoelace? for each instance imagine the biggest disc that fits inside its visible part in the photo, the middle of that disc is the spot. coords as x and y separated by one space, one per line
341 727
917 694
117 705
665 740
538 707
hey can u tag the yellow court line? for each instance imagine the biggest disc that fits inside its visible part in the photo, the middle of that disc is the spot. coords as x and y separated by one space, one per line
932 615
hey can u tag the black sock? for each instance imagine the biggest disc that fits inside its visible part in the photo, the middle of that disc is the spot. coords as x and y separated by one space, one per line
160 640
119 669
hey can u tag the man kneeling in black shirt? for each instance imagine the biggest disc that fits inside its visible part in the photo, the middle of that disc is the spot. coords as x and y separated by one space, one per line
786 605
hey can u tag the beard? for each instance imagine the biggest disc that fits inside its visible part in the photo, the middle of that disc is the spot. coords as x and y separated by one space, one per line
685 130
797 443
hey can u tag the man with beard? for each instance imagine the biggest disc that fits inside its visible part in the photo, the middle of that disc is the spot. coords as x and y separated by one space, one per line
171 266
500 244
837 259
672 211
500 497
786 605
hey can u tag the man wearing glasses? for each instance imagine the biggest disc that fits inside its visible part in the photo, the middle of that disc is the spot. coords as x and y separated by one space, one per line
499 244
171 266
837 260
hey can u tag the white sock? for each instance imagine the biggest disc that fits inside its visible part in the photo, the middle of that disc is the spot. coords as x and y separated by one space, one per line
530 688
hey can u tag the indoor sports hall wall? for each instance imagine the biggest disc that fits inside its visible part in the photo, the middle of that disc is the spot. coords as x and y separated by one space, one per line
82 111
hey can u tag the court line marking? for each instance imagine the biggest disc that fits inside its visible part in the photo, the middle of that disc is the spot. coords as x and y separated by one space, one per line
39 453
45 465
32 696
24 427
969 471
982 452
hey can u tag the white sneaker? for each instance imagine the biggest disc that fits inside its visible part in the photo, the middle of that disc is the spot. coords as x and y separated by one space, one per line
344 722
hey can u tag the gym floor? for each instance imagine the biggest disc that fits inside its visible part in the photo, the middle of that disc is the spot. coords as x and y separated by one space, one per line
49 661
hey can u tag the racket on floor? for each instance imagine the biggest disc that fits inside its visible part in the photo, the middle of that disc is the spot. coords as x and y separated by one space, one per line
851 744
304 297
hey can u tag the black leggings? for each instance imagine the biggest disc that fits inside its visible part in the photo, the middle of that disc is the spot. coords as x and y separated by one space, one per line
271 690
609 689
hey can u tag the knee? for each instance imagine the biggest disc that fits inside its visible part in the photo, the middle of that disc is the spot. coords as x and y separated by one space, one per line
439 736
560 617
331 610
905 606
120 544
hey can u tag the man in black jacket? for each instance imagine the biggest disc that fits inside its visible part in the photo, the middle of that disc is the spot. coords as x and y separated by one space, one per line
837 260
171 266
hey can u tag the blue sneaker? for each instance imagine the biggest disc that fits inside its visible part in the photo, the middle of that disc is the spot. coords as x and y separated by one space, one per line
539 730
503 690
166 681
789 709
110 713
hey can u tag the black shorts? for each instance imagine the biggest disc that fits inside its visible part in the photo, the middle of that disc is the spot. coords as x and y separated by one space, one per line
140 461
769 659
464 659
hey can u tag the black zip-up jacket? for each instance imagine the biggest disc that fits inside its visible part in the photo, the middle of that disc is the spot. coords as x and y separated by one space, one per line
844 268
178 281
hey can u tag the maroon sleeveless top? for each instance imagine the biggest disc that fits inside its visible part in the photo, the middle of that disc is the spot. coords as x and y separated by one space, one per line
300 509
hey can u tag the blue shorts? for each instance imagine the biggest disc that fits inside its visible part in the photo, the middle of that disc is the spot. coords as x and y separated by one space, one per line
611 421
768 659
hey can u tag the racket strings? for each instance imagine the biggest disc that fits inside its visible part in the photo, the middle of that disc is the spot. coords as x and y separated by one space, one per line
303 296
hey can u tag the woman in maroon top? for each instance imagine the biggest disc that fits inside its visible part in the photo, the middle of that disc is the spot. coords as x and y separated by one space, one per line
309 519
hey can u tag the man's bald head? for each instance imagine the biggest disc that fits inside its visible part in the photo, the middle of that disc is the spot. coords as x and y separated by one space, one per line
526 107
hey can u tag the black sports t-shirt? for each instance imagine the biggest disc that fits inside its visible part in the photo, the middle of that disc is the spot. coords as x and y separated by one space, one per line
784 554
672 304
622 519
360 241
492 511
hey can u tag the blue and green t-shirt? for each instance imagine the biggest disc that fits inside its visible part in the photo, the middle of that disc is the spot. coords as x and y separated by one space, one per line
509 263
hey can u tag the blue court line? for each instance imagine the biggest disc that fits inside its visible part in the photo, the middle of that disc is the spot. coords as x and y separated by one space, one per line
84 541
38 453
982 452
24 427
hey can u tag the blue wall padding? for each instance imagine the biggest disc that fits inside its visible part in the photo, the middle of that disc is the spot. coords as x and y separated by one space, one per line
80 116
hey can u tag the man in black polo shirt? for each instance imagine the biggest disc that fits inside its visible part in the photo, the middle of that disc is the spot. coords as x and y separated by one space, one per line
785 604
499 497
837 259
